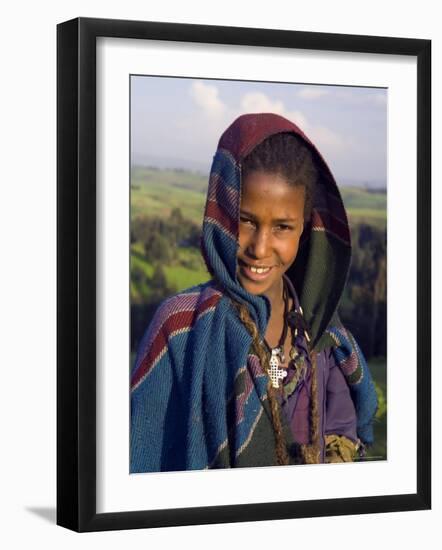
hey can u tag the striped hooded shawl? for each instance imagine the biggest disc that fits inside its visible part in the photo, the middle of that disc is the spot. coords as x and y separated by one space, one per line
198 393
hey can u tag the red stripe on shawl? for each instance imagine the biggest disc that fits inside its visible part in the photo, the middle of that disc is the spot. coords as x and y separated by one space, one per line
214 211
350 364
180 320
241 399
324 220
224 195
254 370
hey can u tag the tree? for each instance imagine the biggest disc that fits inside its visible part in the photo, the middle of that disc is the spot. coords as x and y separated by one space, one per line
158 249
159 279
365 310
176 216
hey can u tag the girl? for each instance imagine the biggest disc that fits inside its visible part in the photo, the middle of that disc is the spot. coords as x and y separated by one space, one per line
254 368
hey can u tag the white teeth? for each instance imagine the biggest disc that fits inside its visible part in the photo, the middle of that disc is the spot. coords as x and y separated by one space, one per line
259 269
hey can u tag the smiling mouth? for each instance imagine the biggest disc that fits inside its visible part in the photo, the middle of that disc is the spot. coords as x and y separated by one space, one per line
255 272
258 269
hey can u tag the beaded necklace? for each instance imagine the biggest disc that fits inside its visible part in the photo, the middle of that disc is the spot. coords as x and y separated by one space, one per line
295 320
277 357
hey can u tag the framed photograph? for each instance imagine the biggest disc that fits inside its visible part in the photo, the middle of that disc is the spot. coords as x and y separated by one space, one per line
244 257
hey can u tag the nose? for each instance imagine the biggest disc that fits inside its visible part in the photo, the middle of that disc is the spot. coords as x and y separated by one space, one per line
259 244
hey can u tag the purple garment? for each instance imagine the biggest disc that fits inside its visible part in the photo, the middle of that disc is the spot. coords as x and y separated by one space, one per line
337 414
336 410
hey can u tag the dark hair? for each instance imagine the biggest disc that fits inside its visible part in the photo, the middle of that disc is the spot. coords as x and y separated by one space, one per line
289 156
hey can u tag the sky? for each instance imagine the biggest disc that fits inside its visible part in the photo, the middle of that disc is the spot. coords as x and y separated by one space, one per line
177 122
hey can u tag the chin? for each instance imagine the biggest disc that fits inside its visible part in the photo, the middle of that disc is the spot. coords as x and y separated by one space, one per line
252 287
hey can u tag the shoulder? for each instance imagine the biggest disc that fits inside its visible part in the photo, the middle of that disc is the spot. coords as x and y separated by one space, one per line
194 300
348 354
175 316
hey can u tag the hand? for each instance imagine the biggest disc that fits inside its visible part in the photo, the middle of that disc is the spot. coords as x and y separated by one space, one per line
339 448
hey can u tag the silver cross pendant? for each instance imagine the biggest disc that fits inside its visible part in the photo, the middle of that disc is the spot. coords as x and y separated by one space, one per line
276 373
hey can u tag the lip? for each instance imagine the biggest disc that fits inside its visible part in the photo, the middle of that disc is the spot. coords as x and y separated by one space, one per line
249 274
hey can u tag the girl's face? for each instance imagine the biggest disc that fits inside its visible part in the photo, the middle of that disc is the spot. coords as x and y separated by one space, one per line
271 223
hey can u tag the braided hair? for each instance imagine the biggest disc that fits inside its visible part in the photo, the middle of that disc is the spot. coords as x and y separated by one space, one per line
260 350
287 155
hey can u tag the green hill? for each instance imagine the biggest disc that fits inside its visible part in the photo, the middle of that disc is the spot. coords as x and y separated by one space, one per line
364 206
156 192
361 198
187 270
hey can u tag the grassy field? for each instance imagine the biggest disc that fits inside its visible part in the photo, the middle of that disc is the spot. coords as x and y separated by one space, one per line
365 206
358 197
178 275
157 192
182 277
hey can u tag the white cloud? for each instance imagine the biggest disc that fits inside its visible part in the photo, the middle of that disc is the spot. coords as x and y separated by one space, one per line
207 97
324 138
312 93
257 102
216 116
327 140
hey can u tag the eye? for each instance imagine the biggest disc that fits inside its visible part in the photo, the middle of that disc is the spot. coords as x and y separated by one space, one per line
247 221
284 227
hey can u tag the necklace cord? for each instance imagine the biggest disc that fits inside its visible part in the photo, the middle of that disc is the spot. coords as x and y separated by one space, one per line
285 324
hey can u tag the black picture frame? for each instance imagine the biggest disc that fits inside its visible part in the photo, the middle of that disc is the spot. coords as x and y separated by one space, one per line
76 273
